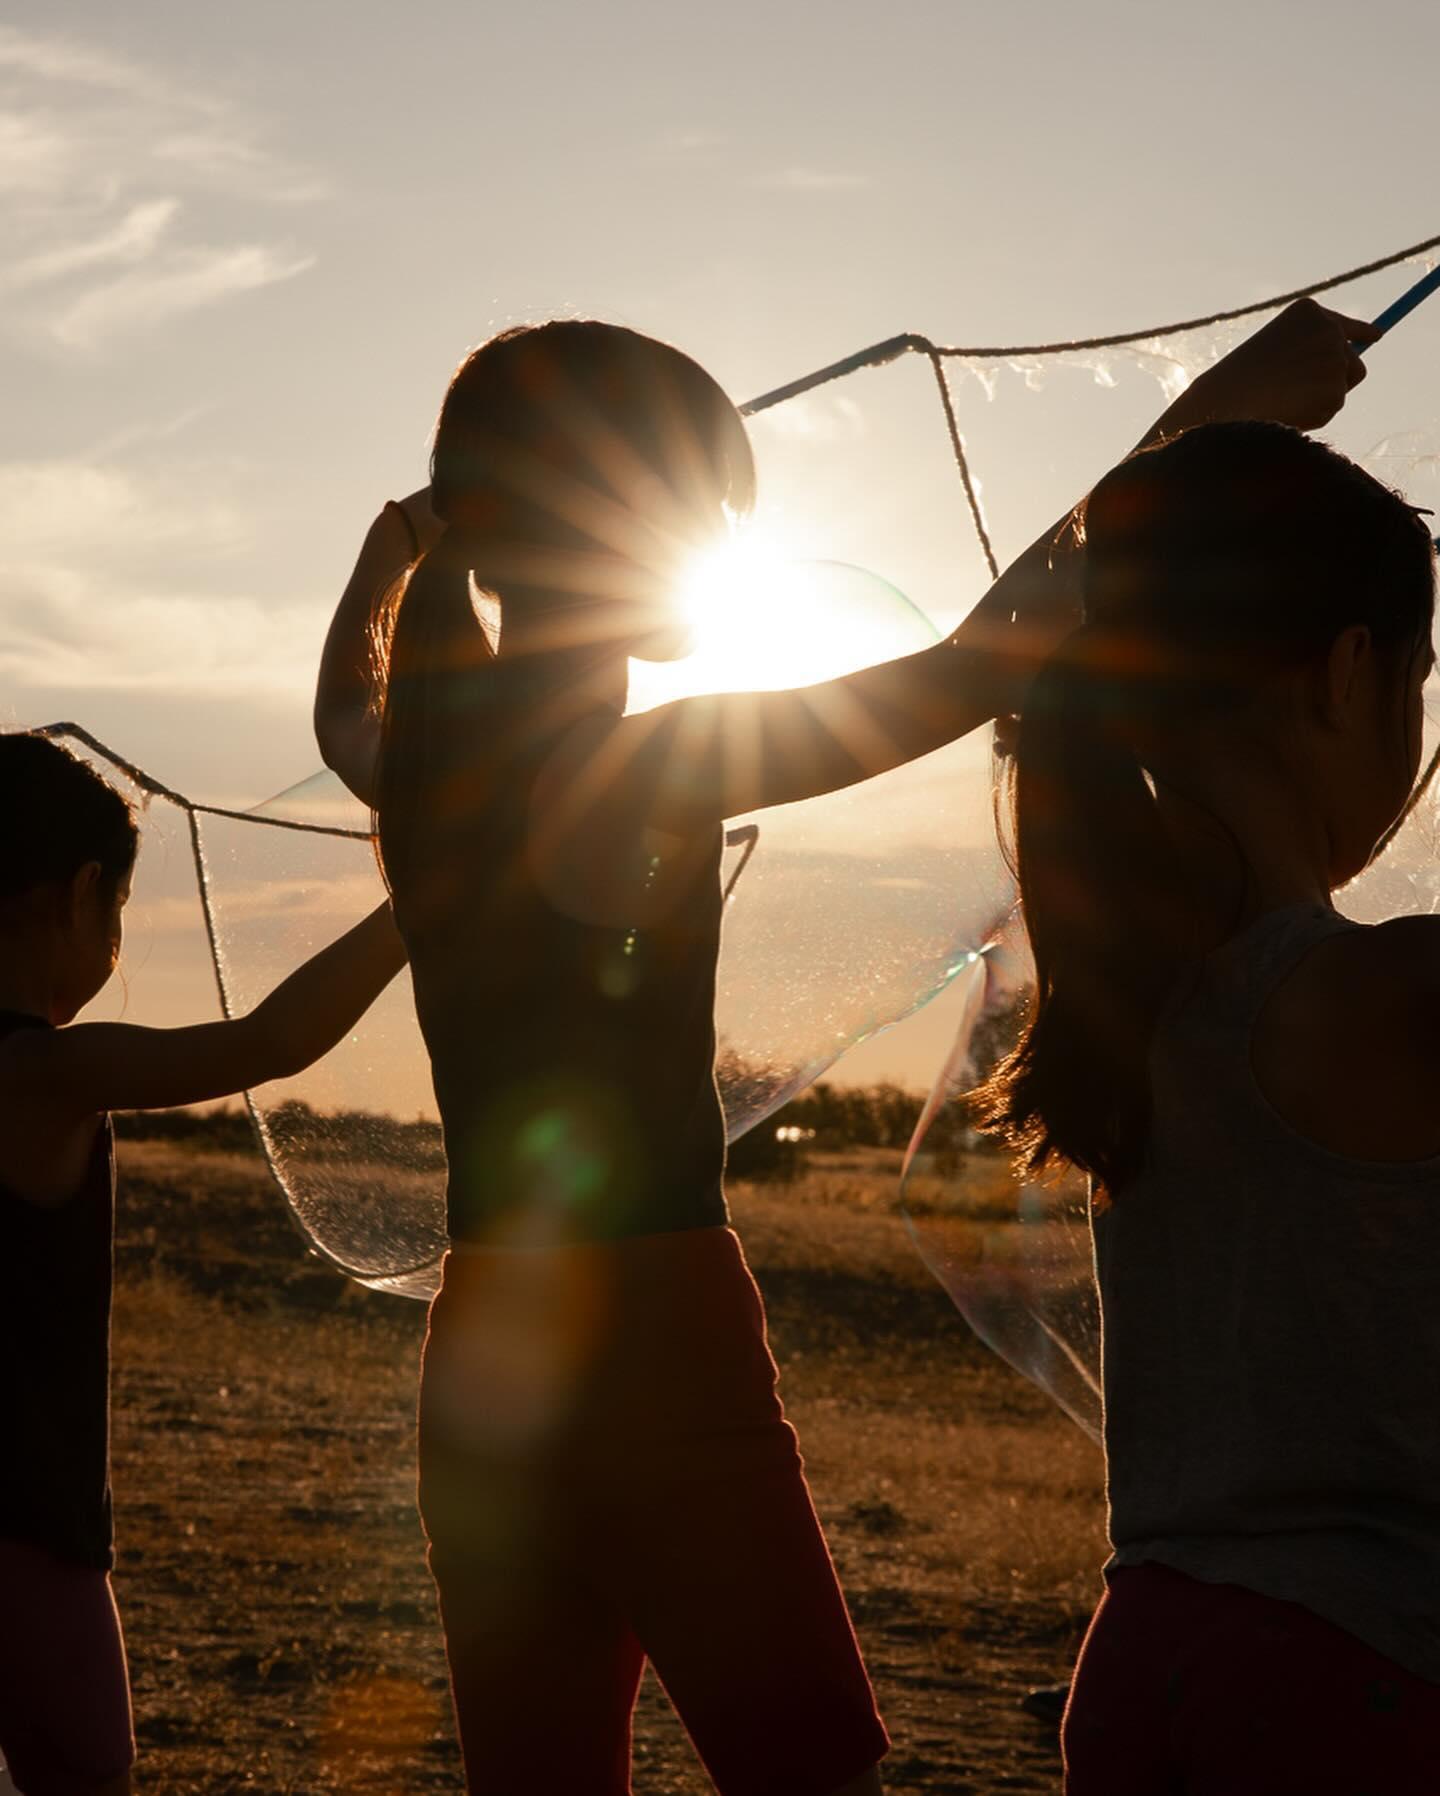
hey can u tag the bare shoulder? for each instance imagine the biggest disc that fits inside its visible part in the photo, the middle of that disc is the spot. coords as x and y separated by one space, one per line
1347 1049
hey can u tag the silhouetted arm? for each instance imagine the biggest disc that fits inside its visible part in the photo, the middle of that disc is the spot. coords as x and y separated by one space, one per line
74 1073
701 759
346 727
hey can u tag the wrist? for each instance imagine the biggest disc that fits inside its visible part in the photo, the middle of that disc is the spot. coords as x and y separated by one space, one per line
1201 403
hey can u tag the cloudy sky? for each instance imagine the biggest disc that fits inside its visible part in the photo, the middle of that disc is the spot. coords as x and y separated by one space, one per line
241 249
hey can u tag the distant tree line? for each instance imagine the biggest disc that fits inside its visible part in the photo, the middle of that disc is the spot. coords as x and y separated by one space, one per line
322 1134
825 1118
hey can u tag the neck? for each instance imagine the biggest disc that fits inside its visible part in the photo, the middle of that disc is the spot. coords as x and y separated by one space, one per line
1246 838
548 633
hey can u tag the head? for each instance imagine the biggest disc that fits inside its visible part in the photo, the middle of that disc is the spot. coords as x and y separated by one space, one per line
65 876
1258 615
577 466
581 464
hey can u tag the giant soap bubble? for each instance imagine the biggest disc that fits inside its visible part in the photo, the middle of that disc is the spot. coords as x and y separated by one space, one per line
845 913
1015 1257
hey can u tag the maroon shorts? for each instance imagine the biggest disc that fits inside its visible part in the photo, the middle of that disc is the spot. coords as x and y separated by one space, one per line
1214 1690
64 1693
606 1477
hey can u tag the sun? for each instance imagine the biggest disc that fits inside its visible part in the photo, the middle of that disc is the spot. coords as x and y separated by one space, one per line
760 620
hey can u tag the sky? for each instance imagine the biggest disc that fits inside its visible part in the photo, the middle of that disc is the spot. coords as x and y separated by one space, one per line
244 248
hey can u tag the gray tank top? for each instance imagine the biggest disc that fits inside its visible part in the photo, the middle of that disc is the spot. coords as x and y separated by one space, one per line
1271 1334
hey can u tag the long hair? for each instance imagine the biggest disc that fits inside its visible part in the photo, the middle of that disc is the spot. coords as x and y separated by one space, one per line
60 814
583 450
1223 555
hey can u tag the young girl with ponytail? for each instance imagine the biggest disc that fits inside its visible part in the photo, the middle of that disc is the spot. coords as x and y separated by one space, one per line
1249 1081
606 1473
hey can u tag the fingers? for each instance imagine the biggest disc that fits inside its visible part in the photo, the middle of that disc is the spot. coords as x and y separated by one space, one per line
1355 330
1348 329
1352 336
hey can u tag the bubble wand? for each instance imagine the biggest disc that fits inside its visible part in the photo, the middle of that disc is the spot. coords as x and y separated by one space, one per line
1391 316
1407 302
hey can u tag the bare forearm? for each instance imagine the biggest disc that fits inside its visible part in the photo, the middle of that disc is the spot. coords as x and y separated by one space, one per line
91 1067
1294 370
312 1010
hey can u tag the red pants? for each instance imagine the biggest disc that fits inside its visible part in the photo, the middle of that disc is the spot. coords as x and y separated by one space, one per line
1191 1689
606 1476
64 1692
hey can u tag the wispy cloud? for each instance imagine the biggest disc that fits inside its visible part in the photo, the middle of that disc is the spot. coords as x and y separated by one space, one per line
797 179
87 513
34 154
188 280
119 195
233 164
691 142
135 236
105 588
87 636
68 61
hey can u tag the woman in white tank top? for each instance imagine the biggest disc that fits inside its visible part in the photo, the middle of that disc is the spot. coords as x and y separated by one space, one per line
1249 1080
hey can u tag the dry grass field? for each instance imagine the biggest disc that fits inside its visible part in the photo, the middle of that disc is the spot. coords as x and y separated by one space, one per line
280 1619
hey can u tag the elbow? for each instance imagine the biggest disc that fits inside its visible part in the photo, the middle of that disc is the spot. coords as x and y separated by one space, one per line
349 744
332 723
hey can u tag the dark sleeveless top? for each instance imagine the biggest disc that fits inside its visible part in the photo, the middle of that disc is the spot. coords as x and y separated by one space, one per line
570 1021
1271 1333
55 1279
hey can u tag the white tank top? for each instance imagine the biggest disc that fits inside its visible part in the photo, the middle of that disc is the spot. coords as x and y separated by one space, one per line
1271 1333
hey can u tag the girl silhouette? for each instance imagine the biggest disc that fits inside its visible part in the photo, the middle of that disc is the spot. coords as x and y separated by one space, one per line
1248 1079
606 1474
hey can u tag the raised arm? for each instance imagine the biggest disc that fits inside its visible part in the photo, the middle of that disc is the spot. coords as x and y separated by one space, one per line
701 759
346 727
60 1078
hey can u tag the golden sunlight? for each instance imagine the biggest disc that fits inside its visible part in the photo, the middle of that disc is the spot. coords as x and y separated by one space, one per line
761 621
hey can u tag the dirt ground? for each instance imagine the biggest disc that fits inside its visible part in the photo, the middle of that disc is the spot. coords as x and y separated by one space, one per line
279 1616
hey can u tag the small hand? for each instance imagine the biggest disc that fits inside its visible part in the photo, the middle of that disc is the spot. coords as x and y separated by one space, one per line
1296 370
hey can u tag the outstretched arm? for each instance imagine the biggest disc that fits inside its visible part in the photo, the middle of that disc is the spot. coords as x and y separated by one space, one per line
346 727
706 758
60 1078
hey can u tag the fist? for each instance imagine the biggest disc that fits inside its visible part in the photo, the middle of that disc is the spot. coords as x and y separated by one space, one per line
1296 370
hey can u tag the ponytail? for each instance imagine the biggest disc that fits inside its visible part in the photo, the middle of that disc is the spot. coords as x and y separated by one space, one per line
1104 905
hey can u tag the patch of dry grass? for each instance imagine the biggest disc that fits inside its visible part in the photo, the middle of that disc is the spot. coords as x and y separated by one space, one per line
281 1620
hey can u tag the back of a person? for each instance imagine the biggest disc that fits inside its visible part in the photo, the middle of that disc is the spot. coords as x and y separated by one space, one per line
1246 1079
55 1360
571 1029
1271 1316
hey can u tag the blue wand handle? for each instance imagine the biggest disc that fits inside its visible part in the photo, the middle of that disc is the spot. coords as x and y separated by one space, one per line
1407 302
1402 308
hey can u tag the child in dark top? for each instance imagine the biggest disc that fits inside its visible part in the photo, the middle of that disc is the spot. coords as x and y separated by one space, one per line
70 849
1249 1080
606 1472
